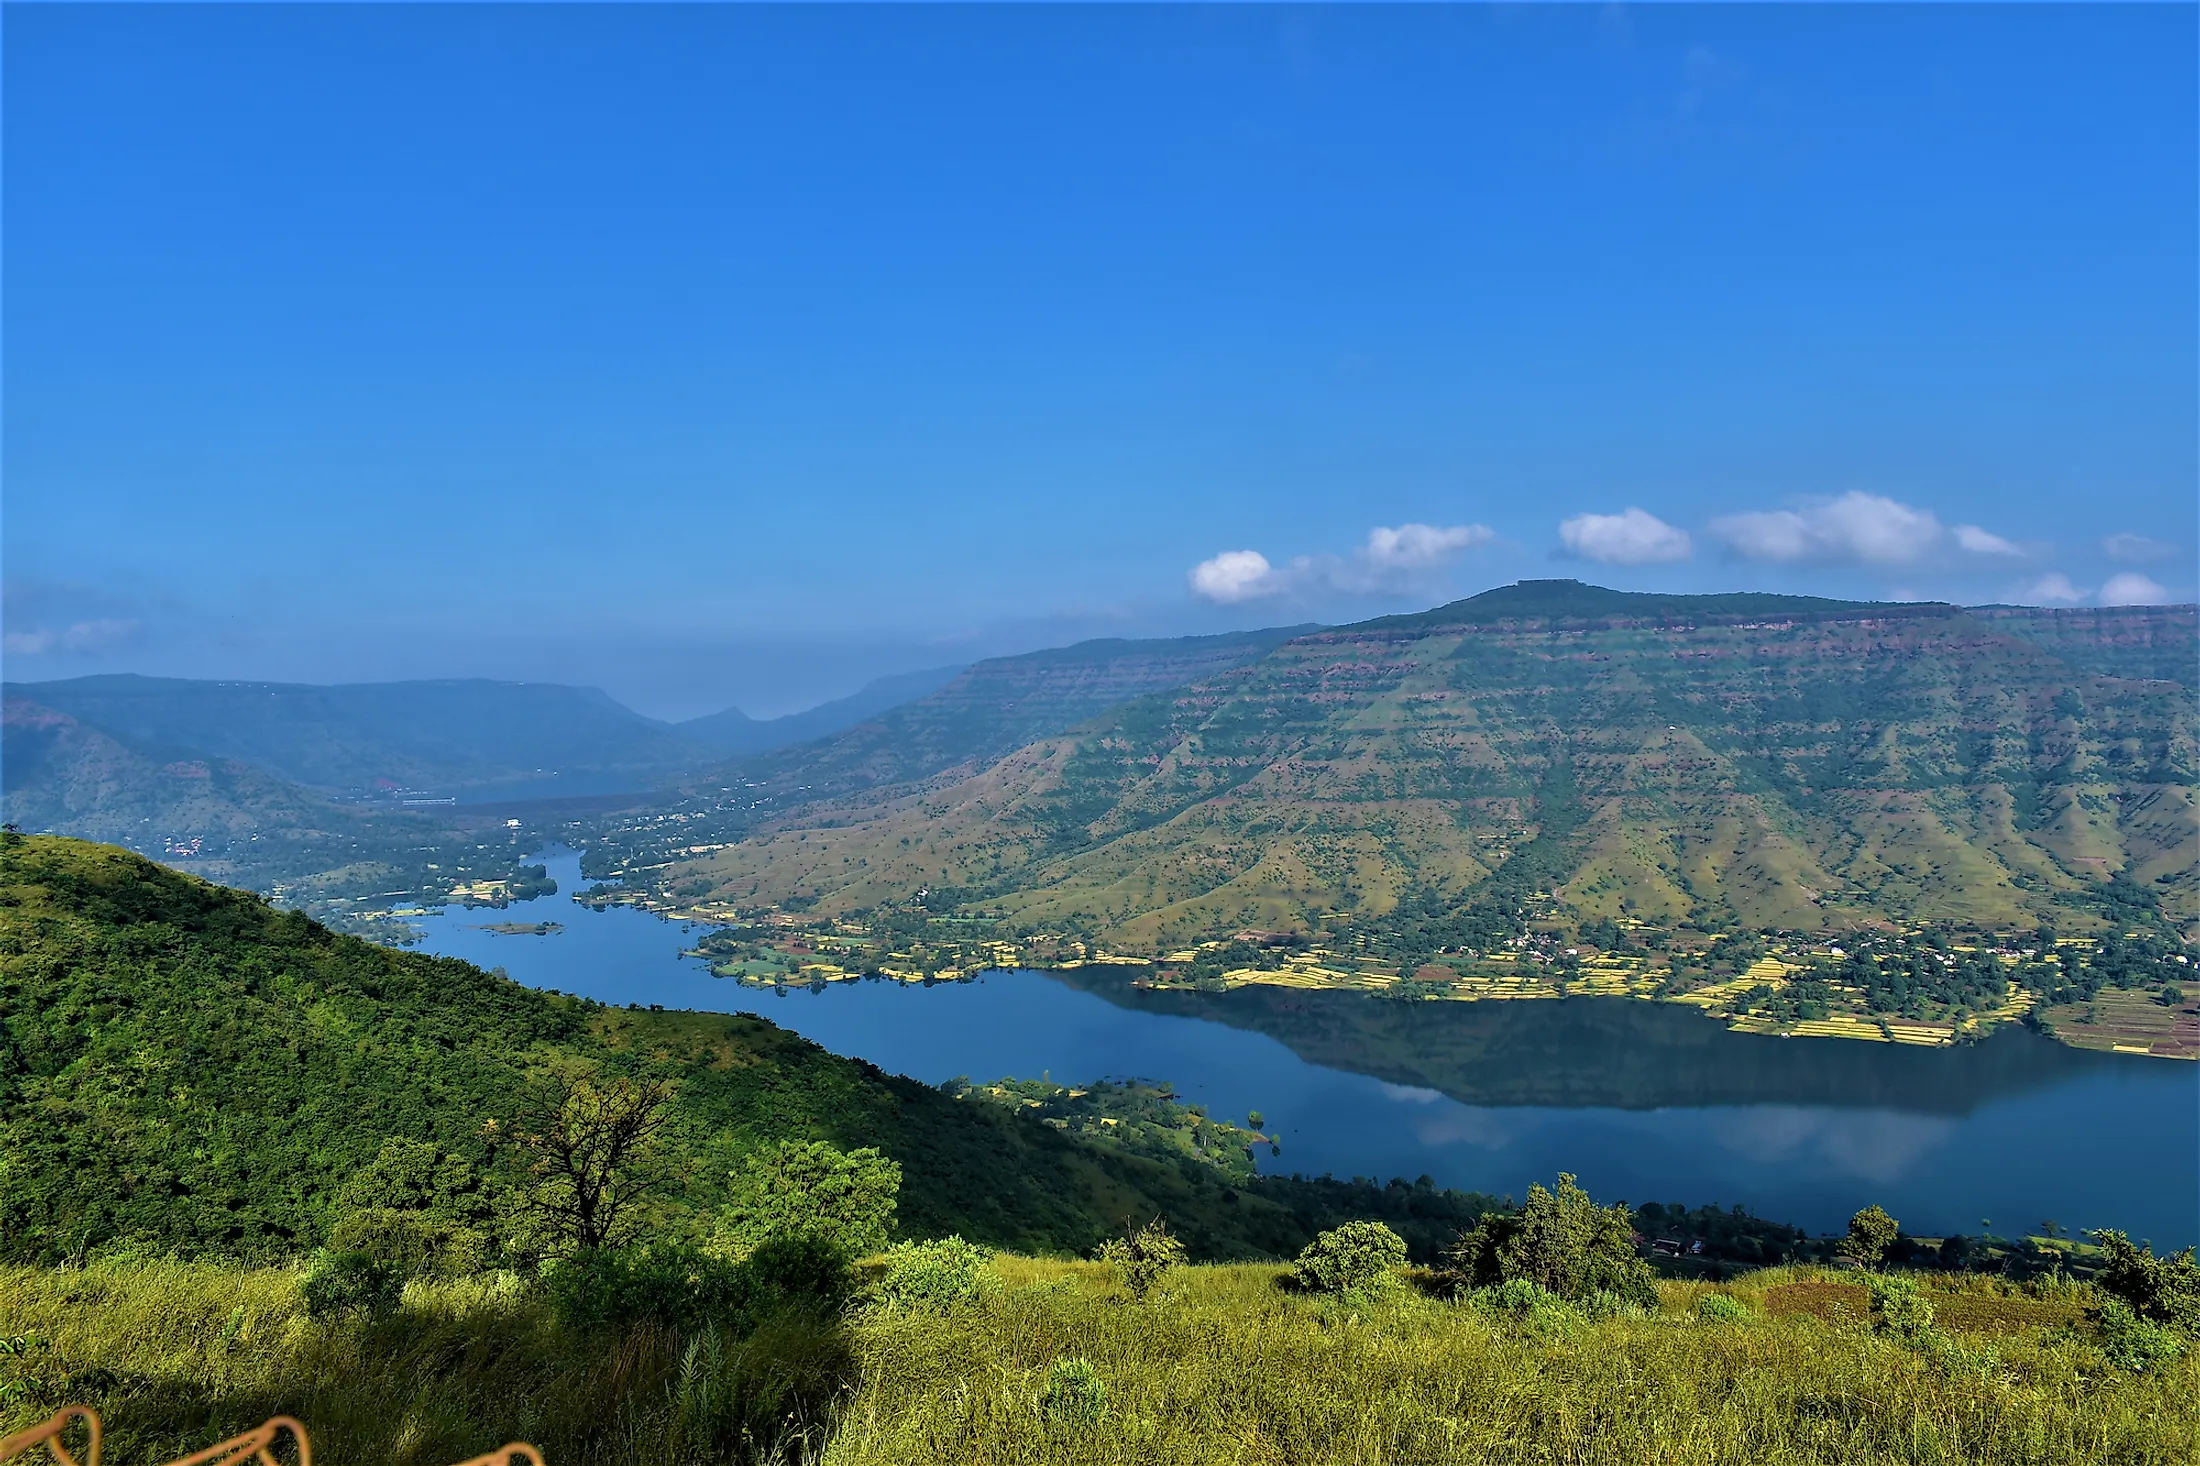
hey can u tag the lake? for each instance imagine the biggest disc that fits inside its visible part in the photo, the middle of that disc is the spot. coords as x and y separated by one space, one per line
1642 1101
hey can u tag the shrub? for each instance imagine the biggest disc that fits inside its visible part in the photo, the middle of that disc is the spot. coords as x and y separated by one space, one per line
1074 1394
1871 1233
1518 1296
771 1397
1721 1308
2132 1342
847 1197
2163 1290
621 1287
1563 1242
1358 1257
1604 1303
417 1244
798 1272
1141 1258
339 1282
683 1287
1900 1310
935 1277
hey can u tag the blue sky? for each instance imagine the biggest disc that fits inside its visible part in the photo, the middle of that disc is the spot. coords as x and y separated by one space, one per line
720 354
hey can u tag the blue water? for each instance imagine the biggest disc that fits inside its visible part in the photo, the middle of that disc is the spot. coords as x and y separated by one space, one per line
1656 1104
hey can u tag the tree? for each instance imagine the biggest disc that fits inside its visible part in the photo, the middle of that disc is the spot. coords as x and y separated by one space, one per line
593 1149
810 1188
1871 1233
2164 1290
1561 1241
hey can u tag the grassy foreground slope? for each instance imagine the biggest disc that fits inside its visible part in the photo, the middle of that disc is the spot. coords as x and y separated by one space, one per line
1220 1366
1754 761
187 1070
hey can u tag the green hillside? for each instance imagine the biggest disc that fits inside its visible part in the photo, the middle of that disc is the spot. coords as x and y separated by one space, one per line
187 1070
1750 761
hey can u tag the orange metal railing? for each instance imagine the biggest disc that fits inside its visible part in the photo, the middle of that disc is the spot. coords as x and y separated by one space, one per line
254 1446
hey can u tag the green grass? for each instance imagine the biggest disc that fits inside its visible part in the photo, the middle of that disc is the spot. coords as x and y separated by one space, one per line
1222 1366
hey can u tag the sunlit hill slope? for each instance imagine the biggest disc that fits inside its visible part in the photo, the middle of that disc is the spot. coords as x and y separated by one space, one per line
1769 761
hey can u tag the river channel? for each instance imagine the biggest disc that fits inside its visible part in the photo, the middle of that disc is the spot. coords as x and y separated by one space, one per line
1643 1101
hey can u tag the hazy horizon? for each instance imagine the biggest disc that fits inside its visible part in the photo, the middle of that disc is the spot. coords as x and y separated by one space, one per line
777 712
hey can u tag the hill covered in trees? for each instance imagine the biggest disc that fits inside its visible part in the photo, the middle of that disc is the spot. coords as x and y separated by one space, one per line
185 1069
1728 761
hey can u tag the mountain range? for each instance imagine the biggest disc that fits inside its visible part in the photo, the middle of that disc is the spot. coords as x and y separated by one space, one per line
472 737
295 788
1753 760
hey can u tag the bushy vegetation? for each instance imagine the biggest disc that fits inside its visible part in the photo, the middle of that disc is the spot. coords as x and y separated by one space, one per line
1358 1259
1142 1256
808 1188
2163 1290
1562 1242
1226 1365
935 1277
1871 1233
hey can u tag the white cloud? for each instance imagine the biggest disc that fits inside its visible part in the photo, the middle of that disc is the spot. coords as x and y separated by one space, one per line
2051 589
1983 542
1634 537
2133 589
2136 549
1417 546
82 639
1235 575
1392 560
1857 527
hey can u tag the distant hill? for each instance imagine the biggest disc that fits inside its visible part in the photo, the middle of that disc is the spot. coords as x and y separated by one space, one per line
218 817
735 732
983 712
443 736
1767 761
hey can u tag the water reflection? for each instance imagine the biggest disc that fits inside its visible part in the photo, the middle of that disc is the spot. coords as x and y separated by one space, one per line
1619 1053
1643 1101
